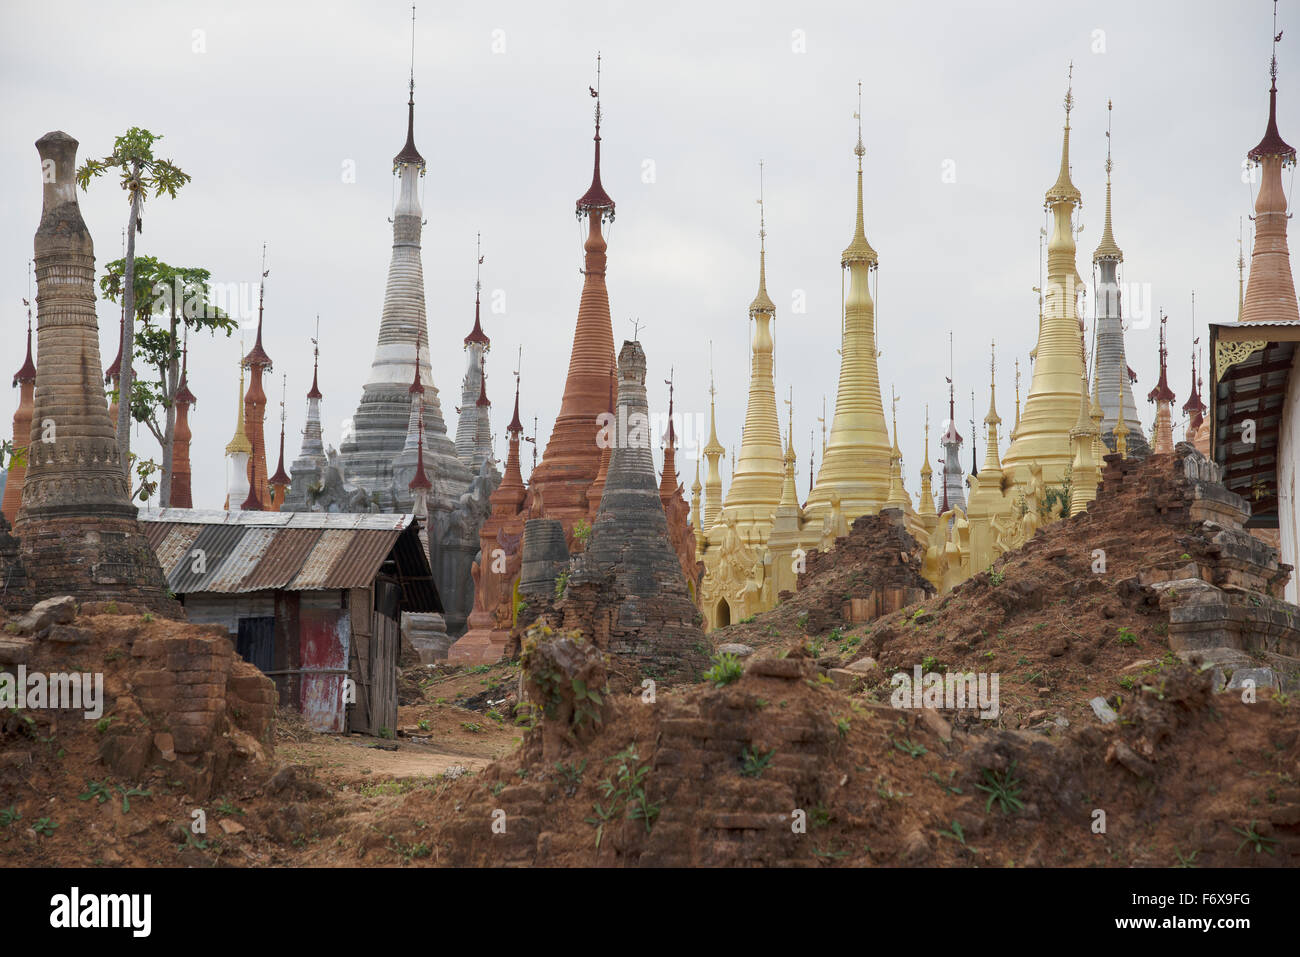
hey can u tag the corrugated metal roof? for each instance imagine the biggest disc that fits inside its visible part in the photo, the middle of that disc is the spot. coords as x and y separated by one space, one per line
315 570
194 572
292 551
282 560
212 516
245 556
357 565
176 542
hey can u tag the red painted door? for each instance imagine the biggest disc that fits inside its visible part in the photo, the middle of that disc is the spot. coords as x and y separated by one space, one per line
325 634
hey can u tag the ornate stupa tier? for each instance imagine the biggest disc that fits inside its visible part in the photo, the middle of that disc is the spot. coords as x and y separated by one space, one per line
572 457
856 462
1052 406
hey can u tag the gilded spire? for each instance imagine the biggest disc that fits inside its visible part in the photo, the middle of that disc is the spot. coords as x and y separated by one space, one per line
992 419
762 303
859 250
789 498
1108 248
240 441
1063 190
927 491
1121 430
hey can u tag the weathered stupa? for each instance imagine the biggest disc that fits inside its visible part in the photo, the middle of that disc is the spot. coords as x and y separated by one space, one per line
76 524
380 423
628 592
374 465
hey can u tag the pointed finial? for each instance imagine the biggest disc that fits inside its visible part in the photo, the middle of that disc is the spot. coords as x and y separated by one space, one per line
1277 36
859 151
1069 94
478 269
412 100
636 329
762 302
1109 108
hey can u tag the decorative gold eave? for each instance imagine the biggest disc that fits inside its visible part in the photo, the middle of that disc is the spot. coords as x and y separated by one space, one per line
1228 353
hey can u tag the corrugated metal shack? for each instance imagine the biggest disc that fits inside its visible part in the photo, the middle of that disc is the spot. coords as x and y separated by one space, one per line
310 598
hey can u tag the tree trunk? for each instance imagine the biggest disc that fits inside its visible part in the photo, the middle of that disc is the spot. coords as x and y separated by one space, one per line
170 386
128 340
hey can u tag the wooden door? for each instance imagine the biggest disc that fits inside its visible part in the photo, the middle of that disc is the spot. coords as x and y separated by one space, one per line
324 638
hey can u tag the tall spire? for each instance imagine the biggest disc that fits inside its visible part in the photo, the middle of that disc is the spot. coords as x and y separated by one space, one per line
668 478
25 380
470 438
595 200
573 457
1163 397
992 419
856 460
410 155
238 450
1110 375
927 491
378 430
1270 293
181 495
758 471
512 480
258 363
309 466
713 451
789 498
762 302
315 392
1108 249
1052 405
1063 190
279 482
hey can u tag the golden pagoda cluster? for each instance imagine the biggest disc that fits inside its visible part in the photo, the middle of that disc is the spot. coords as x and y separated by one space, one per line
752 542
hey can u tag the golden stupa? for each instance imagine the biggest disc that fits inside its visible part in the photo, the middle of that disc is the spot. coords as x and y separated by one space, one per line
1052 407
856 461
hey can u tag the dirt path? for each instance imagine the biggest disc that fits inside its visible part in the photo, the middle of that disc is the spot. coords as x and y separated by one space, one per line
353 757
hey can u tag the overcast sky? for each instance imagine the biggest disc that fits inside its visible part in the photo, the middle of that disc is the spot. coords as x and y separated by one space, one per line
267 105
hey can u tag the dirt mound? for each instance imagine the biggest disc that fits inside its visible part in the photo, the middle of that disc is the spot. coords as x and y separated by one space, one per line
162 707
779 768
873 570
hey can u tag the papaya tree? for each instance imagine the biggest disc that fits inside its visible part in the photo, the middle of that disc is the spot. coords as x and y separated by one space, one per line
170 302
141 171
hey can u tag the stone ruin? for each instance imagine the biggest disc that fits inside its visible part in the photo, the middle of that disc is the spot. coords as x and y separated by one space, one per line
626 592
